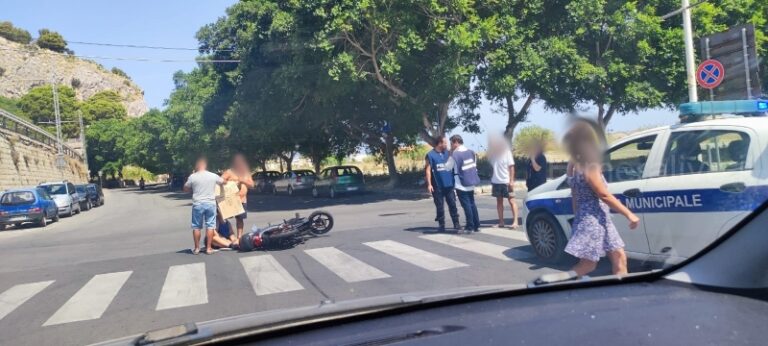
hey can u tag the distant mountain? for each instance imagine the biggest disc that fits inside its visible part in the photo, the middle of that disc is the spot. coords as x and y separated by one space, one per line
23 67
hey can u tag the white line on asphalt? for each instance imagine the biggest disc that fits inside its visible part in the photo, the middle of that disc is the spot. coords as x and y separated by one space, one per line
421 258
91 300
13 297
348 268
506 233
185 285
267 276
479 247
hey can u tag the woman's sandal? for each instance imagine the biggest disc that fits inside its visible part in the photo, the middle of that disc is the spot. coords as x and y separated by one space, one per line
195 251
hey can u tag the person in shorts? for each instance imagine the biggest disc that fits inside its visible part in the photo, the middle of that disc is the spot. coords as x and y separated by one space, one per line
502 181
240 173
202 184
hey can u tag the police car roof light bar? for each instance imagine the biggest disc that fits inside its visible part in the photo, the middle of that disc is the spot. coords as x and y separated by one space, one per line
741 107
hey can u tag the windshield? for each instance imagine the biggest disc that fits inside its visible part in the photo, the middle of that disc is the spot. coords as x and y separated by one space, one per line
252 156
55 189
17 198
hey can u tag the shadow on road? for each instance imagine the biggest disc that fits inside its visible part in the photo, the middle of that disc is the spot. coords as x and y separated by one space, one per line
282 202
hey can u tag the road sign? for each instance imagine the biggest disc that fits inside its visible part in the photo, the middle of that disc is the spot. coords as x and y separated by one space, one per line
710 74
736 49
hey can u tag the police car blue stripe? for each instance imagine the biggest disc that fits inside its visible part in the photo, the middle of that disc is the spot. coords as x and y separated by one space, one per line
672 201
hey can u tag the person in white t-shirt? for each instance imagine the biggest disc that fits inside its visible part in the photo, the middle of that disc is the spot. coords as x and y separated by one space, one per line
502 182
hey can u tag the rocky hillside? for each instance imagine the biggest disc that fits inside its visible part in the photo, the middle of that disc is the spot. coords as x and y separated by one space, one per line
22 67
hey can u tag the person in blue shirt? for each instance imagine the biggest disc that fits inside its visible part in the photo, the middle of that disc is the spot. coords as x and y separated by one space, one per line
439 179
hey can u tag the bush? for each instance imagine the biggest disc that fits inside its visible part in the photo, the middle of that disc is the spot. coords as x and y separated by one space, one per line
120 73
2 71
52 40
14 34
528 136
75 83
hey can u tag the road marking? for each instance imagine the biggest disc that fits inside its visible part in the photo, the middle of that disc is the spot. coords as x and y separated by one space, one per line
480 247
185 285
267 276
421 258
13 297
91 300
506 233
348 268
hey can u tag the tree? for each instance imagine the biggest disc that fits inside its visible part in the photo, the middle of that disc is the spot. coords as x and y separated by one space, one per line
12 33
421 53
103 105
106 146
52 40
528 136
145 144
37 104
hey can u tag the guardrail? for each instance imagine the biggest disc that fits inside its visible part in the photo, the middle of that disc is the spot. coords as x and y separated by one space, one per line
18 125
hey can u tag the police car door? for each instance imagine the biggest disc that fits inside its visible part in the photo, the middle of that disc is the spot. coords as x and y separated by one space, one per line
625 164
703 185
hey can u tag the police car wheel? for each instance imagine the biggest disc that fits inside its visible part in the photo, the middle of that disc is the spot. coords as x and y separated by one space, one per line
547 238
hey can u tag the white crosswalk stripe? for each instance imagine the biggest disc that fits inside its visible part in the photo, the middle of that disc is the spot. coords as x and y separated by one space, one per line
91 300
506 233
348 268
480 247
267 276
13 297
418 257
185 285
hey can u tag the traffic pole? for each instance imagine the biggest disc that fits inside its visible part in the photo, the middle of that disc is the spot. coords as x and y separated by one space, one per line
690 67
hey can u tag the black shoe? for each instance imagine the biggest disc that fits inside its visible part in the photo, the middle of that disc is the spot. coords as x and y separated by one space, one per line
457 227
441 229
477 229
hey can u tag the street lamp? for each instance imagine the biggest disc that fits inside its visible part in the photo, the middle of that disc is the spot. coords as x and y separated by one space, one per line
690 67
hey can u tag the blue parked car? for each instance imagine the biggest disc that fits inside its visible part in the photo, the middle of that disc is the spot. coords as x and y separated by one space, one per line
18 206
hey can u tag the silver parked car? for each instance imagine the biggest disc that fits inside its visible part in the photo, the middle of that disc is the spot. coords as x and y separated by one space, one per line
293 182
65 195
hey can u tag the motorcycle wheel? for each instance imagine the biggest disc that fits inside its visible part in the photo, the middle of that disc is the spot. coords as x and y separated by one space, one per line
320 222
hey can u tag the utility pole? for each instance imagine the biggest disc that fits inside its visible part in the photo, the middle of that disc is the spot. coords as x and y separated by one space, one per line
60 163
690 67
82 141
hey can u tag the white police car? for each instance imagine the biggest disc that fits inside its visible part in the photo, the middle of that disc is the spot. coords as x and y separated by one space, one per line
688 183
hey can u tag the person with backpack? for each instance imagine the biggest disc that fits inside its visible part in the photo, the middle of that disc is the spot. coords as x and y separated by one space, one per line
463 162
439 180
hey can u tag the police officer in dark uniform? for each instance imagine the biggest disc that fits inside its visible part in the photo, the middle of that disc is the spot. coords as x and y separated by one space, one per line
440 183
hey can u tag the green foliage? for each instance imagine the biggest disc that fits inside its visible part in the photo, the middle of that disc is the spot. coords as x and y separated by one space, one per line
12 33
103 105
131 172
120 73
106 145
52 40
11 105
527 137
37 104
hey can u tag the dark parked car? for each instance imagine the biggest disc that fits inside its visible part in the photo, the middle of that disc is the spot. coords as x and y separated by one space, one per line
82 193
264 181
295 181
95 195
339 179
18 206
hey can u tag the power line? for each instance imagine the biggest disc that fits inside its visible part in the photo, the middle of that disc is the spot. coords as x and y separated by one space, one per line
143 46
45 51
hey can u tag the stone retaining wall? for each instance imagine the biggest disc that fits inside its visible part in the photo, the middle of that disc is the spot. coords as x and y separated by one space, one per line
26 162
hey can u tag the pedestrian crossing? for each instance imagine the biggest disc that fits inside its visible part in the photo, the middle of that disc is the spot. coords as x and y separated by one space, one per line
186 285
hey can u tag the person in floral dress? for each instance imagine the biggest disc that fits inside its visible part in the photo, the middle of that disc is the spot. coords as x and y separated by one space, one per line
593 234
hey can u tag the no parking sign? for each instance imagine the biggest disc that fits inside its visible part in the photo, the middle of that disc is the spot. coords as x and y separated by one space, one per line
710 74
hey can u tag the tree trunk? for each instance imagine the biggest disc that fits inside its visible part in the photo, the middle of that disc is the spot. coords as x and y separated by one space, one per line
603 118
515 117
288 161
389 155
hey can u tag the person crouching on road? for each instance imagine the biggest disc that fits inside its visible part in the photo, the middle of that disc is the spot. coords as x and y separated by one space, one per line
240 173
502 181
224 238
440 182
593 233
202 184
463 162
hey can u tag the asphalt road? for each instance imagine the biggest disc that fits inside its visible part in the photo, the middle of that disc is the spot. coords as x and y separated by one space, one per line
125 268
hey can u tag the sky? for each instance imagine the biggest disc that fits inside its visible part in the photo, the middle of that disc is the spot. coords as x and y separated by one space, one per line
173 23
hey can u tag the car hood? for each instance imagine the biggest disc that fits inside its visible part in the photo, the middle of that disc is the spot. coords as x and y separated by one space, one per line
61 199
269 321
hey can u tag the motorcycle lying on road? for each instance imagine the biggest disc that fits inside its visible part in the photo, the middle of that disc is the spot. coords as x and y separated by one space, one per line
289 233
